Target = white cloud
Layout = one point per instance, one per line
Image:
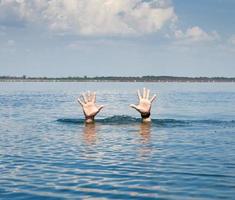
(10, 43)
(93, 17)
(2, 31)
(232, 40)
(101, 42)
(195, 34)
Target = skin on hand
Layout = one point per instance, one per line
(90, 109)
(145, 103)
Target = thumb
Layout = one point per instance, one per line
(100, 107)
(133, 106)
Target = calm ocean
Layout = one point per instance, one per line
(187, 152)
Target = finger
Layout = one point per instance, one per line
(144, 93)
(94, 97)
(147, 94)
(153, 98)
(100, 107)
(79, 101)
(89, 96)
(139, 95)
(133, 106)
(84, 97)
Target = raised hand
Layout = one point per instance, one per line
(145, 102)
(89, 107)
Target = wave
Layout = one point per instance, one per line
(116, 119)
(124, 119)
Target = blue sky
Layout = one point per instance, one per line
(117, 37)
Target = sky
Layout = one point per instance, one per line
(60, 38)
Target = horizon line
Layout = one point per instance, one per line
(109, 76)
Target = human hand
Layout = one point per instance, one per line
(144, 106)
(89, 106)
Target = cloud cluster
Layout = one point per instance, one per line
(91, 17)
(195, 34)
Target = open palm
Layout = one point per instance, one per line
(145, 102)
(89, 106)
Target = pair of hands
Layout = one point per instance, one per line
(91, 109)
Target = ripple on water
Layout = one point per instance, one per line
(186, 153)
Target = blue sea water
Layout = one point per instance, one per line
(187, 152)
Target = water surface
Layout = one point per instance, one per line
(187, 152)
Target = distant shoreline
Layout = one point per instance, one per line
(116, 79)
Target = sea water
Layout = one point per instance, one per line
(47, 152)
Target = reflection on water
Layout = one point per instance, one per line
(89, 133)
(145, 131)
(145, 150)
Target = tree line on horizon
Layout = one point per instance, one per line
(120, 78)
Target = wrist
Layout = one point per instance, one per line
(89, 119)
(146, 117)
